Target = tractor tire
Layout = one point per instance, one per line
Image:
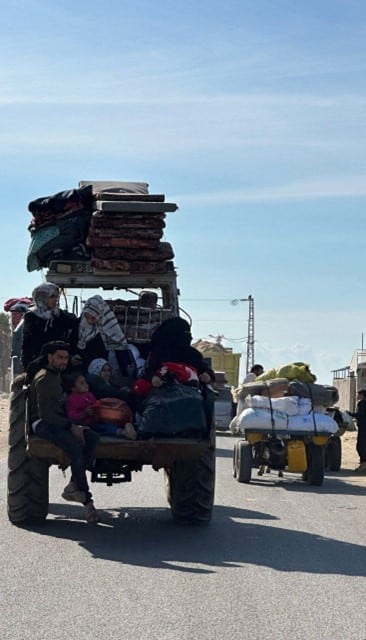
(27, 496)
(334, 454)
(315, 470)
(243, 461)
(190, 487)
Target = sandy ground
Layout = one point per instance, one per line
(4, 407)
(349, 455)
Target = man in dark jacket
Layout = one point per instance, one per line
(360, 416)
(49, 421)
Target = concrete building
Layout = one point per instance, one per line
(222, 359)
(349, 380)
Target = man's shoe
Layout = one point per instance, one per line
(91, 514)
(74, 496)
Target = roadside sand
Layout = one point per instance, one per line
(349, 455)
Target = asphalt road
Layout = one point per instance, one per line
(280, 560)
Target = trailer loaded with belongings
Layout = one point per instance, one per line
(110, 235)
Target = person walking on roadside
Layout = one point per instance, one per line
(252, 375)
(360, 416)
(256, 370)
(49, 421)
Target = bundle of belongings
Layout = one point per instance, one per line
(174, 406)
(285, 404)
(59, 227)
(114, 226)
(17, 307)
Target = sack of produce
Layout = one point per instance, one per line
(292, 371)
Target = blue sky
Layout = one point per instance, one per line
(251, 116)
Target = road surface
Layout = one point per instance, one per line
(279, 560)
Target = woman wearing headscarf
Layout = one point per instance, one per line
(171, 342)
(99, 381)
(46, 322)
(100, 336)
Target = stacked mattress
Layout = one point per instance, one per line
(126, 230)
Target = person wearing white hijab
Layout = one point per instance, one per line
(100, 336)
(46, 322)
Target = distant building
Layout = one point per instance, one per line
(349, 380)
(222, 359)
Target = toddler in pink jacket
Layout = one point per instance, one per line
(79, 408)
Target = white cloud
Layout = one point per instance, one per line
(337, 186)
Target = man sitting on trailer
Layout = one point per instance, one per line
(48, 420)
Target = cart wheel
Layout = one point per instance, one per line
(334, 454)
(235, 463)
(243, 457)
(315, 470)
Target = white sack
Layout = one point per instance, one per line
(261, 419)
(324, 423)
(304, 406)
(286, 404)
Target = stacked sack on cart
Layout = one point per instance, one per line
(286, 404)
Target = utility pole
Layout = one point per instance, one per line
(250, 339)
(250, 335)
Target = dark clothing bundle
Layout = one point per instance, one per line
(173, 410)
(48, 210)
(64, 240)
(59, 227)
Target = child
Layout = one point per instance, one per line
(99, 380)
(80, 409)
